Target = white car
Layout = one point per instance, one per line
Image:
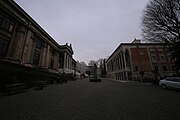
(170, 82)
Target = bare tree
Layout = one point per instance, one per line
(161, 23)
(92, 62)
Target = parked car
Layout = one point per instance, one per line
(170, 82)
(94, 79)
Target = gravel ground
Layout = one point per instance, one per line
(84, 100)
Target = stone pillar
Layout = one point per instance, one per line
(124, 59)
(26, 53)
(64, 66)
(47, 57)
(112, 66)
(57, 61)
(116, 63)
(123, 62)
(18, 42)
(71, 64)
(120, 61)
(67, 61)
(44, 55)
(125, 66)
(32, 48)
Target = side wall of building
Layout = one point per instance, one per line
(139, 61)
(23, 41)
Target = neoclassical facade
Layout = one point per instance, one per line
(67, 63)
(131, 61)
(23, 41)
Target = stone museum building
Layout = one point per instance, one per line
(132, 61)
(23, 41)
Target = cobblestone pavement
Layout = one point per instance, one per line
(84, 100)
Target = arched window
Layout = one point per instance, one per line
(163, 59)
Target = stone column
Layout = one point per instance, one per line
(57, 61)
(125, 66)
(124, 59)
(44, 55)
(71, 64)
(120, 62)
(64, 66)
(32, 49)
(123, 62)
(67, 61)
(55, 66)
(47, 57)
(18, 42)
(116, 63)
(27, 42)
(26, 53)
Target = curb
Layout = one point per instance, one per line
(127, 81)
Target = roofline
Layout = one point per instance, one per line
(66, 47)
(74, 60)
(23, 12)
(132, 44)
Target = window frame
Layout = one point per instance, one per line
(154, 58)
(6, 24)
(5, 44)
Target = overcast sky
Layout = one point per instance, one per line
(94, 27)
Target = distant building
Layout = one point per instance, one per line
(23, 41)
(67, 63)
(136, 60)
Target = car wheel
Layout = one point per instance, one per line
(164, 86)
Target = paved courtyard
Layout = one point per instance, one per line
(84, 100)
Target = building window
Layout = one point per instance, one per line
(154, 58)
(39, 43)
(152, 50)
(162, 57)
(37, 51)
(169, 57)
(165, 68)
(6, 24)
(36, 57)
(156, 68)
(3, 47)
(136, 68)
